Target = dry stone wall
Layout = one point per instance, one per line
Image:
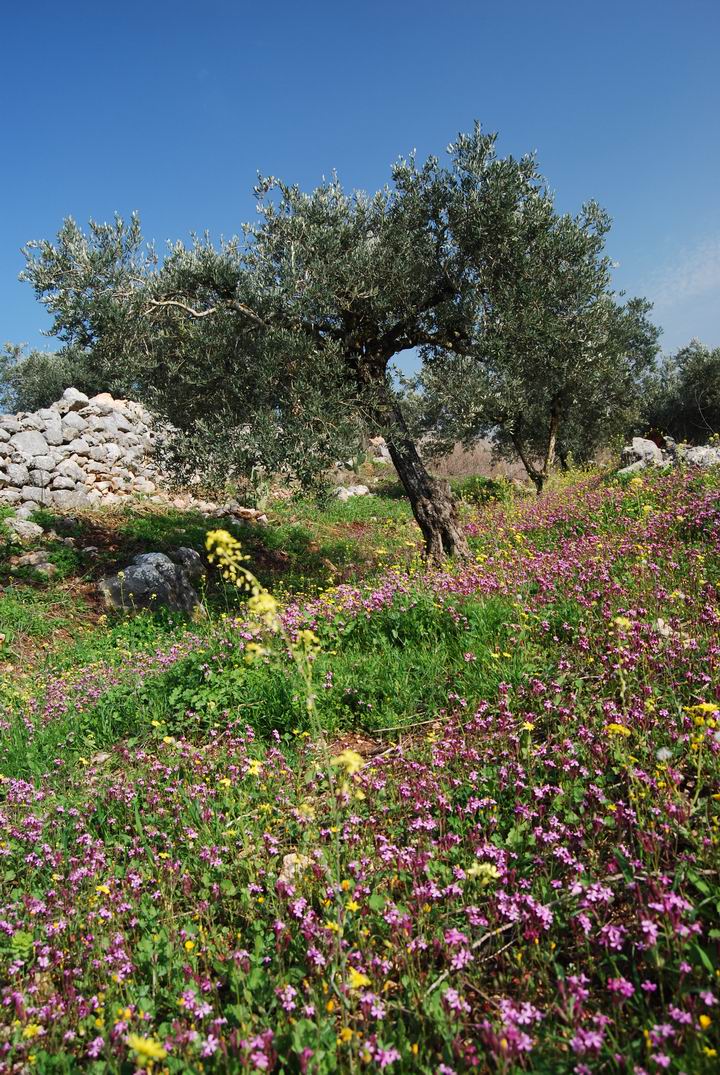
(75, 453)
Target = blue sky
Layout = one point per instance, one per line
(172, 109)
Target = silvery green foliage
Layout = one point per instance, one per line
(29, 382)
(559, 367)
(272, 349)
(274, 346)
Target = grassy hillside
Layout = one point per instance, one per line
(424, 820)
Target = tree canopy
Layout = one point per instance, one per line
(683, 394)
(559, 366)
(274, 347)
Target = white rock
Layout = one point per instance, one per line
(72, 423)
(46, 462)
(72, 400)
(61, 482)
(79, 447)
(30, 442)
(53, 432)
(70, 469)
(41, 478)
(25, 530)
(346, 492)
(15, 474)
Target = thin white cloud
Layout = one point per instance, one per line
(693, 274)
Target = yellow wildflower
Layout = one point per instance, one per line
(618, 729)
(349, 760)
(358, 980)
(485, 872)
(307, 640)
(147, 1048)
(263, 605)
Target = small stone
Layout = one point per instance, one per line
(72, 400)
(79, 447)
(37, 561)
(346, 492)
(23, 529)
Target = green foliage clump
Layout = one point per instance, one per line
(479, 490)
(683, 394)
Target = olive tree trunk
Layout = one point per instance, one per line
(432, 503)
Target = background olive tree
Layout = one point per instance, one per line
(683, 394)
(559, 368)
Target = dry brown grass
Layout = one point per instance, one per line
(477, 461)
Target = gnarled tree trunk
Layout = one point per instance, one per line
(432, 503)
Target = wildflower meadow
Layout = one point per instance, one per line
(421, 818)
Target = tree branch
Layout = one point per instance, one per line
(233, 304)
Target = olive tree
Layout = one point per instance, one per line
(683, 393)
(560, 365)
(276, 347)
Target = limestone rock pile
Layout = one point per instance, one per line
(75, 453)
(643, 453)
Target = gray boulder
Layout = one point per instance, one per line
(704, 456)
(190, 561)
(71, 425)
(72, 400)
(53, 432)
(30, 442)
(16, 474)
(24, 529)
(65, 498)
(151, 581)
(644, 451)
(61, 482)
(79, 446)
(10, 423)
